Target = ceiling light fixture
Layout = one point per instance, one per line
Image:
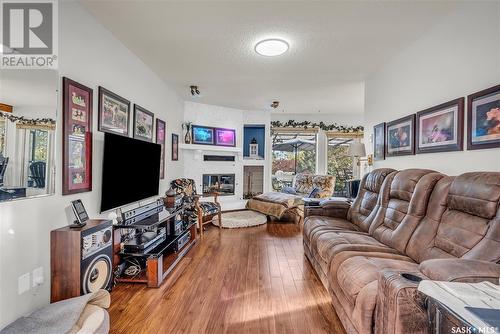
(194, 91)
(271, 47)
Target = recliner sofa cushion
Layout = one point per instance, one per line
(361, 212)
(363, 208)
(476, 194)
(319, 223)
(395, 218)
(404, 207)
(329, 244)
(450, 230)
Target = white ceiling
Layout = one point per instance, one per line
(334, 46)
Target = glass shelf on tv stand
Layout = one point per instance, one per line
(143, 224)
(160, 248)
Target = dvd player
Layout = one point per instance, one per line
(143, 242)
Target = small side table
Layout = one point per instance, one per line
(462, 307)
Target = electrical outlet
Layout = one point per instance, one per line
(23, 283)
(38, 276)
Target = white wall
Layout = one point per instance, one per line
(91, 55)
(456, 58)
(216, 116)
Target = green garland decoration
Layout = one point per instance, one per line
(321, 125)
(28, 121)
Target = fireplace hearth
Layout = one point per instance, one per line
(221, 183)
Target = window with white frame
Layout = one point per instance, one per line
(292, 152)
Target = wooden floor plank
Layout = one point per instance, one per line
(250, 280)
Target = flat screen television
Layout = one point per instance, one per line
(130, 171)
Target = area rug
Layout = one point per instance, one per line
(244, 218)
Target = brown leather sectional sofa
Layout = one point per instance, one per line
(410, 222)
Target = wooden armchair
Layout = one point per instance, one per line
(202, 211)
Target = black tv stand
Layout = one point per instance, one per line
(159, 260)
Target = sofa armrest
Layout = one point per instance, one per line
(330, 208)
(461, 270)
(400, 308)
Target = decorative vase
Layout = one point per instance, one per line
(187, 137)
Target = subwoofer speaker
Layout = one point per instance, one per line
(96, 272)
(81, 259)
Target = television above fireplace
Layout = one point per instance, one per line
(221, 183)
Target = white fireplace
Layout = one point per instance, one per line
(224, 184)
(200, 160)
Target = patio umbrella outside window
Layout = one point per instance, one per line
(294, 145)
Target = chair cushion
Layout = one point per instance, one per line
(325, 184)
(314, 224)
(330, 243)
(289, 190)
(209, 208)
(303, 183)
(476, 194)
(184, 186)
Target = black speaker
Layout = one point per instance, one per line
(96, 268)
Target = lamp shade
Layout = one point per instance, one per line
(356, 149)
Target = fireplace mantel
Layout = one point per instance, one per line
(212, 148)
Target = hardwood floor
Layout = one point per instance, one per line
(249, 280)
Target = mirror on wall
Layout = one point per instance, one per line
(28, 113)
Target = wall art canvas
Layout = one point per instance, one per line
(77, 137)
(175, 147)
(225, 137)
(483, 119)
(114, 113)
(203, 135)
(440, 128)
(143, 123)
(400, 137)
(379, 141)
(161, 129)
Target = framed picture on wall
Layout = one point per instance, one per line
(203, 135)
(379, 141)
(77, 137)
(225, 137)
(483, 119)
(143, 123)
(114, 113)
(440, 128)
(175, 147)
(161, 130)
(400, 137)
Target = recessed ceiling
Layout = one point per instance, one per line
(334, 46)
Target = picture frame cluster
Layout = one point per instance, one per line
(441, 128)
(207, 135)
(114, 116)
